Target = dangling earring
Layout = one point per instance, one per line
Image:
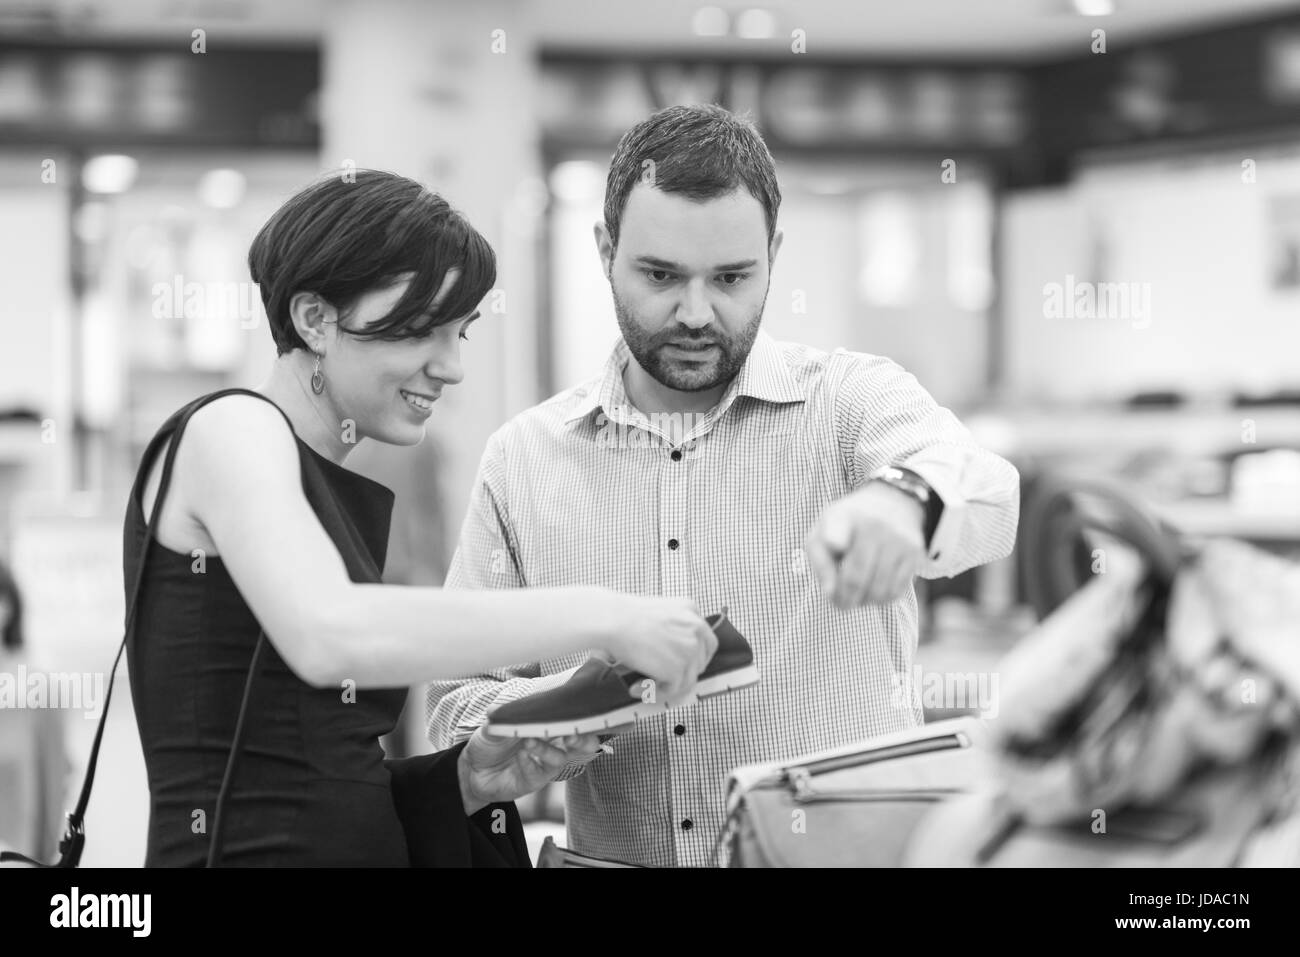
(318, 378)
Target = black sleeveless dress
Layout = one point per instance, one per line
(311, 788)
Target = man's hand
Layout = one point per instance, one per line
(868, 546)
(495, 769)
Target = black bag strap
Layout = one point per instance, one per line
(74, 837)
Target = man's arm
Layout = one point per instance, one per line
(486, 557)
(884, 417)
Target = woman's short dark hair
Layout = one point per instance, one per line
(701, 151)
(12, 635)
(358, 231)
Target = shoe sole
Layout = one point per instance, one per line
(727, 681)
(619, 718)
(625, 717)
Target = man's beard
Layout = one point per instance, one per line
(683, 376)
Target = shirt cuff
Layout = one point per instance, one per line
(942, 478)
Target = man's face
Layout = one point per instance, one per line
(689, 281)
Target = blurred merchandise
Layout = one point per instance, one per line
(1267, 482)
(1159, 704)
(33, 761)
(33, 772)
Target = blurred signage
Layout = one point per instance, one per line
(137, 95)
(589, 101)
(1237, 81)
(1282, 65)
(1031, 120)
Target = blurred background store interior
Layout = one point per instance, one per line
(959, 176)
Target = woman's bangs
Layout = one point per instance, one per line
(415, 315)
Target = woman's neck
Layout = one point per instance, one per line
(315, 418)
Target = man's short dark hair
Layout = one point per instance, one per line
(352, 233)
(702, 152)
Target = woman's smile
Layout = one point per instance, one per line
(422, 402)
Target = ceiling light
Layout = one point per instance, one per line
(110, 173)
(1094, 8)
(576, 181)
(222, 188)
(756, 24)
(710, 22)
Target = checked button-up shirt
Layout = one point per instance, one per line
(586, 490)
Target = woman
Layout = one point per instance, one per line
(369, 287)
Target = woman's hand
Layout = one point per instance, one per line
(493, 769)
(666, 639)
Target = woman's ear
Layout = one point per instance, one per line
(310, 314)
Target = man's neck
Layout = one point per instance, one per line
(287, 386)
(650, 396)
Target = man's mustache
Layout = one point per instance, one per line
(694, 340)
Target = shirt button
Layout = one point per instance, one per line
(677, 455)
(687, 824)
(672, 544)
(679, 730)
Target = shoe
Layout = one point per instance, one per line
(732, 664)
(599, 697)
(595, 698)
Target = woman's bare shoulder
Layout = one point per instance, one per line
(232, 440)
(240, 436)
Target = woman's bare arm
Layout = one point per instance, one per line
(238, 467)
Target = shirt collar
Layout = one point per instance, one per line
(607, 392)
(764, 376)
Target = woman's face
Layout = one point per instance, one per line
(386, 390)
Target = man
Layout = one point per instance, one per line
(801, 490)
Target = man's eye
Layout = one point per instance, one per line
(658, 275)
(734, 278)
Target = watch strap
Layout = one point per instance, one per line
(905, 480)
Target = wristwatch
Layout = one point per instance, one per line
(908, 482)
